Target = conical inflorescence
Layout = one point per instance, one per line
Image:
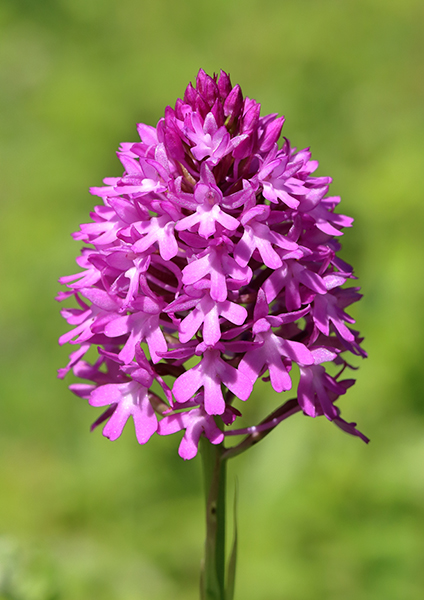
(215, 245)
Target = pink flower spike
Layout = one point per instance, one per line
(215, 255)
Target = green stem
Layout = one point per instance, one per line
(213, 572)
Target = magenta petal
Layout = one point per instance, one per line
(234, 312)
(168, 246)
(350, 428)
(280, 379)
(244, 248)
(188, 222)
(128, 351)
(83, 390)
(156, 342)
(327, 406)
(261, 306)
(251, 364)
(171, 424)
(237, 382)
(311, 280)
(191, 324)
(145, 420)
(227, 220)
(105, 394)
(305, 392)
(214, 400)
(117, 327)
(196, 270)
(297, 352)
(268, 254)
(189, 444)
(212, 432)
(342, 329)
(114, 427)
(218, 286)
(211, 330)
(187, 384)
(275, 283)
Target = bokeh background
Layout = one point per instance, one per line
(321, 515)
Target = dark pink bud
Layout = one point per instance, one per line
(190, 95)
(179, 112)
(172, 137)
(234, 103)
(224, 85)
(272, 133)
(218, 112)
(245, 148)
(201, 106)
(201, 80)
(210, 91)
(251, 118)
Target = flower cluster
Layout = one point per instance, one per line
(212, 260)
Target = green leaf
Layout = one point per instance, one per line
(231, 570)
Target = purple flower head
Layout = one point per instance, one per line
(212, 261)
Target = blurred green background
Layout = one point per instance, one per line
(321, 515)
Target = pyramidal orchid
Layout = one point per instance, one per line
(211, 262)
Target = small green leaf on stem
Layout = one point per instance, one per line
(232, 562)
